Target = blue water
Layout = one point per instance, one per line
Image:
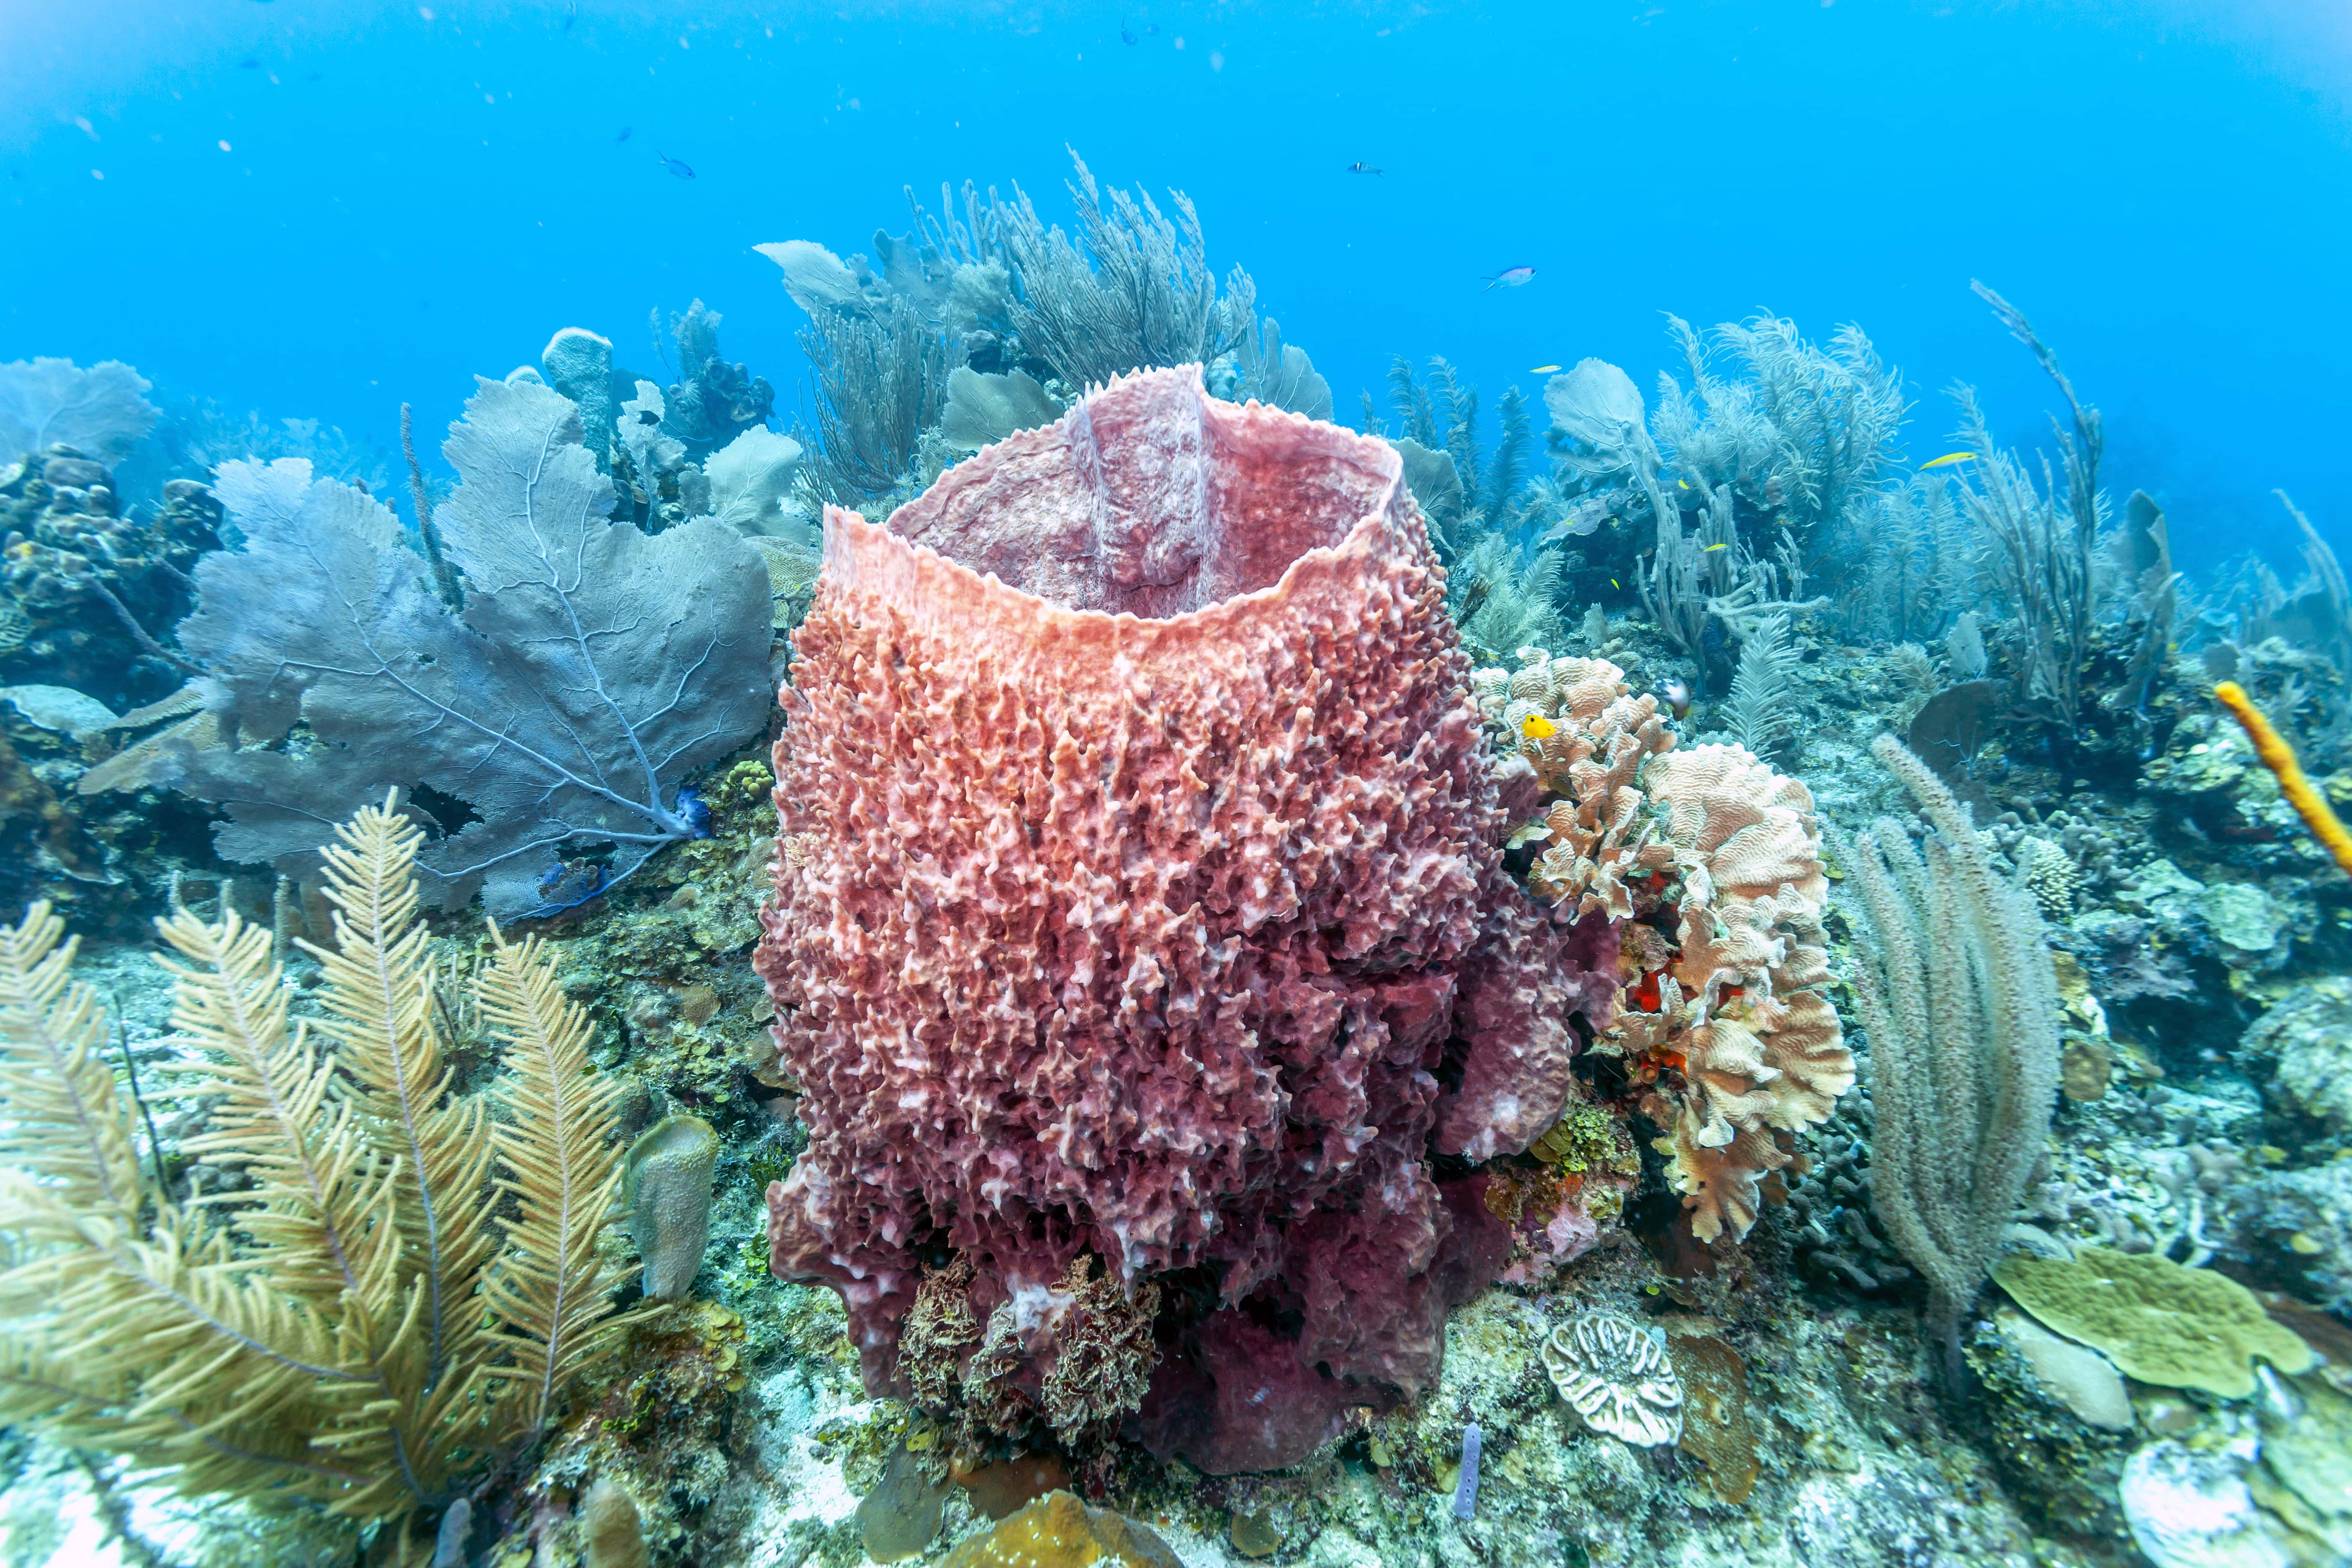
(320, 209)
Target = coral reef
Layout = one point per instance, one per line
(89, 592)
(1279, 951)
(1269, 1025)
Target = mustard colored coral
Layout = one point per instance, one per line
(2156, 1320)
(1058, 1530)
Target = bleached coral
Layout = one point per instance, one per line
(1617, 1378)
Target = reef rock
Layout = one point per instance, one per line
(2307, 1038)
(1140, 896)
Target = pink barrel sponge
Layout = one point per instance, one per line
(1139, 894)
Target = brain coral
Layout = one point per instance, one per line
(1140, 896)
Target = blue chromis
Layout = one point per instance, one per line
(678, 166)
(1536, 727)
(1511, 278)
(1949, 458)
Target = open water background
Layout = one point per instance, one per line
(411, 195)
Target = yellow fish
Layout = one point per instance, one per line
(1613, 582)
(1948, 458)
(1535, 727)
(1684, 483)
(1543, 370)
(1713, 548)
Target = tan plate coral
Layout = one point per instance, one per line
(2156, 1320)
(1727, 1024)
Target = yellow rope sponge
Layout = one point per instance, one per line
(2279, 757)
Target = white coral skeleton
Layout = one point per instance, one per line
(1615, 1375)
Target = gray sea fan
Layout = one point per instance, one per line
(1964, 647)
(101, 412)
(983, 409)
(593, 669)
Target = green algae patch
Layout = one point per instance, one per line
(2159, 1322)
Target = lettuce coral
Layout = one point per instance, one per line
(1760, 1048)
(1728, 1020)
(1139, 896)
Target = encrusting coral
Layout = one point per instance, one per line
(2159, 1322)
(1140, 897)
(399, 1289)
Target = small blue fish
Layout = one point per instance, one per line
(1125, 37)
(678, 166)
(1361, 167)
(570, 14)
(1511, 278)
(623, 136)
(249, 64)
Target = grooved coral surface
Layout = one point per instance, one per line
(1140, 895)
(1743, 1012)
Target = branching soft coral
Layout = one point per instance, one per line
(344, 1325)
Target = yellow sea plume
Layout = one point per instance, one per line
(2279, 757)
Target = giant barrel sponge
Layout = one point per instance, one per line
(1138, 895)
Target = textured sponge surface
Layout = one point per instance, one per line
(1158, 937)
